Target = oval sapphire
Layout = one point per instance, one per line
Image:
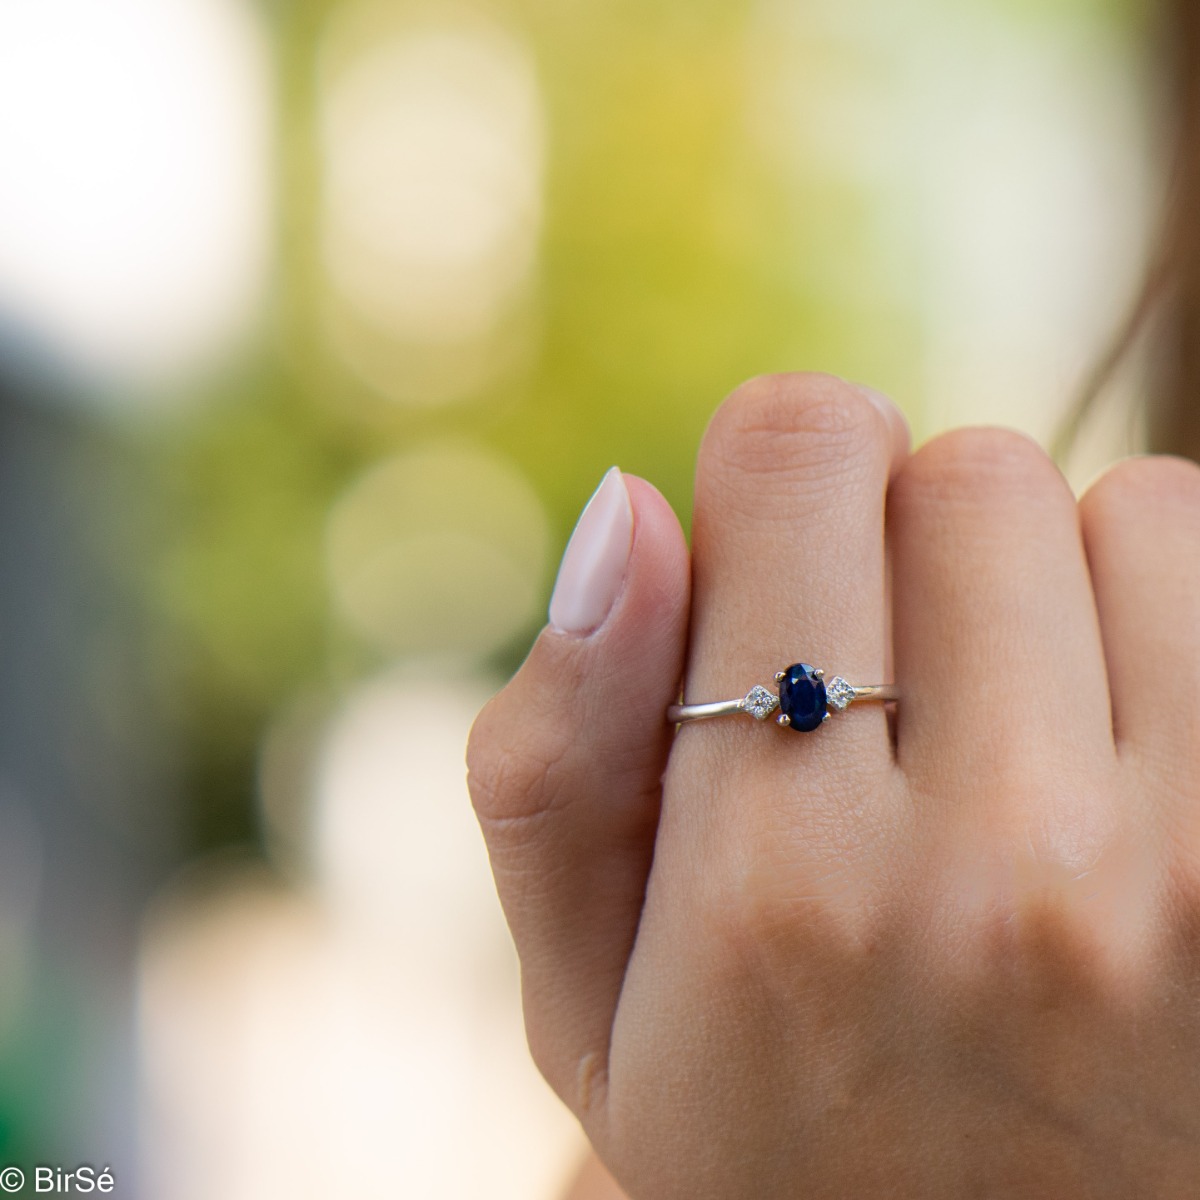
(802, 698)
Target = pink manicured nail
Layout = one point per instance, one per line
(593, 566)
(885, 404)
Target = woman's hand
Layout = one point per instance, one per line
(955, 958)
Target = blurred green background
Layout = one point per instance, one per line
(681, 196)
(322, 320)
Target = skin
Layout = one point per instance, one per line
(952, 955)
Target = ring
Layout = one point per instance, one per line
(806, 701)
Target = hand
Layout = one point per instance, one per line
(954, 958)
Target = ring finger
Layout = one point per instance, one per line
(788, 565)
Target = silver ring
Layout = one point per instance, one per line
(804, 697)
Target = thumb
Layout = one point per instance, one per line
(565, 767)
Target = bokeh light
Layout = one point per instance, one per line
(362, 1035)
(432, 146)
(135, 155)
(440, 551)
(1000, 163)
(388, 831)
(1037, 208)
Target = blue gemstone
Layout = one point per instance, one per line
(802, 698)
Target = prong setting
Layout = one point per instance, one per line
(802, 699)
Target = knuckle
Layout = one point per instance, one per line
(1146, 486)
(795, 426)
(784, 891)
(1044, 833)
(773, 914)
(1059, 918)
(972, 466)
(1047, 945)
(514, 773)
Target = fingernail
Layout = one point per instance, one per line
(891, 411)
(593, 566)
(885, 404)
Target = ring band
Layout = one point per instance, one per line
(804, 697)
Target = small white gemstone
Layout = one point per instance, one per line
(760, 704)
(839, 693)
